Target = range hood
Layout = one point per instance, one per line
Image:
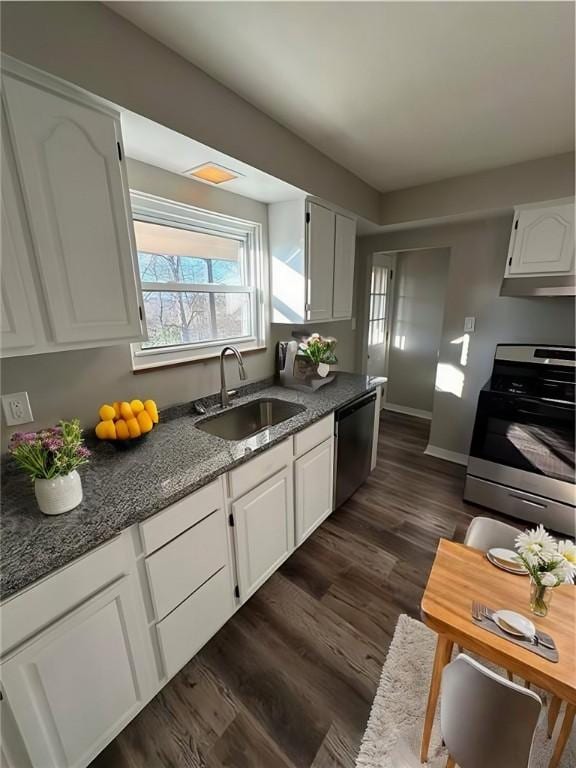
(550, 285)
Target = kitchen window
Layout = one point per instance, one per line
(201, 279)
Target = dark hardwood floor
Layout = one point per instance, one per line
(288, 682)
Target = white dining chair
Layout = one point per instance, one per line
(484, 533)
(485, 719)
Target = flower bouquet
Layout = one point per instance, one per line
(51, 458)
(549, 563)
(319, 351)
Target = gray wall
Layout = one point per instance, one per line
(64, 385)
(547, 178)
(86, 43)
(478, 252)
(419, 292)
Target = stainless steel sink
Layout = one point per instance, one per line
(245, 420)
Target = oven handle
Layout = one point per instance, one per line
(527, 501)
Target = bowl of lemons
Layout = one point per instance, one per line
(125, 423)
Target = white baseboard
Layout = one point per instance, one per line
(407, 411)
(442, 453)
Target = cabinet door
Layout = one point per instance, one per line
(313, 475)
(344, 255)
(75, 686)
(264, 530)
(68, 157)
(17, 284)
(543, 241)
(320, 262)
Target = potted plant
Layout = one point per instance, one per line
(51, 458)
(319, 351)
(549, 563)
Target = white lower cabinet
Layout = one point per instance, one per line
(314, 488)
(263, 530)
(77, 684)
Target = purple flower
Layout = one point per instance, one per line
(53, 444)
(29, 437)
(82, 452)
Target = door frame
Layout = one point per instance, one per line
(391, 302)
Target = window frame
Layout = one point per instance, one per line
(156, 210)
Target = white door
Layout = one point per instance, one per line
(344, 255)
(320, 261)
(17, 283)
(69, 159)
(542, 241)
(379, 313)
(313, 474)
(264, 530)
(76, 685)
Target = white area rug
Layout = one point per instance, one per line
(392, 737)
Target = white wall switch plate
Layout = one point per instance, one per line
(469, 324)
(17, 409)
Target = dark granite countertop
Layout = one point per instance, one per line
(125, 487)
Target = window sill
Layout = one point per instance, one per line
(150, 368)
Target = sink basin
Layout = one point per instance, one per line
(245, 420)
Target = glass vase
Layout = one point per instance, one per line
(540, 597)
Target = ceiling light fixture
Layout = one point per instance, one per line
(212, 173)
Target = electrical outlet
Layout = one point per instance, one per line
(469, 324)
(17, 409)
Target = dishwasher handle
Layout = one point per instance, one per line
(354, 406)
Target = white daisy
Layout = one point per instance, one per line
(536, 545)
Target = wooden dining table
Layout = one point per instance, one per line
(461, 574)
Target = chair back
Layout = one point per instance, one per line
(484, 533)
(485, 719)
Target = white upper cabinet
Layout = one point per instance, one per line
(68, 153)
(542, 240)
(17, 285)
(320, 257)
(344, 254)
(312, 248)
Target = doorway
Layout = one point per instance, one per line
(380, 307)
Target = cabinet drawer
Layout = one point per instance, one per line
(194, 622)
(253, 473)
(175, 571)
(169, 523)
(312, 436)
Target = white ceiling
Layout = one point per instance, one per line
(400, 93)
(157, 145)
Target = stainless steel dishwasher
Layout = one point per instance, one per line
(354, 430)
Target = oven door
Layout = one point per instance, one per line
(526, 434)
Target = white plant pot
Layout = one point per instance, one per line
(323, 369)
(59, 494)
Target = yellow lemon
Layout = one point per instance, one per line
(106, 430)
(152, 410)
(116, 406)
(122, 432)
(106, 412)
(133, 427)
(126, 411)
(137, 407)
(145, 422)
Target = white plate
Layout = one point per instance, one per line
(514, 623)
(505, 559)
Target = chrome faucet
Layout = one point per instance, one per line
(224, 393)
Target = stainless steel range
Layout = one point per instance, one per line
(522, 453)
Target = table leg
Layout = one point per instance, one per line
(563, 735)
(553, 710)
(441, 658)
